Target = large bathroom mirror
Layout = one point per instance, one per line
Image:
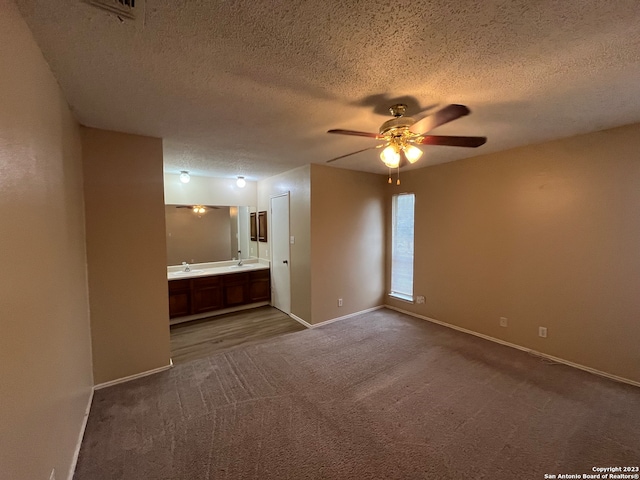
(208, 233)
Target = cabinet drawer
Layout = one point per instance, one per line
(179, 285)
(206, 282)
(259, 275)
(235, 279)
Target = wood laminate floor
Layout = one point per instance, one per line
(201, 338)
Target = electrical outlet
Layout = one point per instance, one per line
(53, 475)
(503, 321)
(339, 302)
(542, 331)
(420, 299)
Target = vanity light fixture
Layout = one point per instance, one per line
(184, 176)
(241, 182)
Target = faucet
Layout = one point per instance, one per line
(187, 268)
(239, 258)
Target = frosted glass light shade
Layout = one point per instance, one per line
(412, 153)
(241, 182)
(185, 177)
(390, 157)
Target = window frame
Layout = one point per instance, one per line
(397, 293)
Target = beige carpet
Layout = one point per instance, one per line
(379, 396)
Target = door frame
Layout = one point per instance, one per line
(270, 226)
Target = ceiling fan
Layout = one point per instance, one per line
(401, 134)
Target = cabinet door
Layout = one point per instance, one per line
(235, 289)
(262, 226)
(206, 294)
(259, 286)
(179, 298)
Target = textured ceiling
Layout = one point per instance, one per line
(250, 87)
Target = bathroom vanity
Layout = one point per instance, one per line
(203, 289)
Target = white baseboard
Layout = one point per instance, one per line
(326, 322)
(299, 320)
(83, 427)
(133, 377)
(519, 347)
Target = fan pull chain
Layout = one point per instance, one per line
(398, 180)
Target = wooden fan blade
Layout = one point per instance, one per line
(353, 132)
(445, 115)
(353, 153)
(451, 141)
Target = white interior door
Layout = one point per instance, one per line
(280, 263)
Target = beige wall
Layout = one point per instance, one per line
(45, 352)
(546, 235)
(337, 218)
(347, 241)
(298, 183)
(208, 191)
(126, 253)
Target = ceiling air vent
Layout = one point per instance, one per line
(122, 8)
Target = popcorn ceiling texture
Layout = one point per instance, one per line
(250, 87)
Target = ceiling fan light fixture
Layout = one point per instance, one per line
(412, 153)
(185, 177)
(390, 157)
(199, 209)
(241, 182)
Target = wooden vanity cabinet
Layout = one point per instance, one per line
(190, 296)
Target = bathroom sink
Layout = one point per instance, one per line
(240, 266)
(185, 274)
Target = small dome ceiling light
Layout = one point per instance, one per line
(412, 153)
(184, 176)
(390, 157)
(241, 182)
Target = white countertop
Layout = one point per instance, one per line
(208, 269)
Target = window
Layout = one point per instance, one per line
(402, 246)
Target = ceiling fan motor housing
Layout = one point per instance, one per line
(398, 123)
